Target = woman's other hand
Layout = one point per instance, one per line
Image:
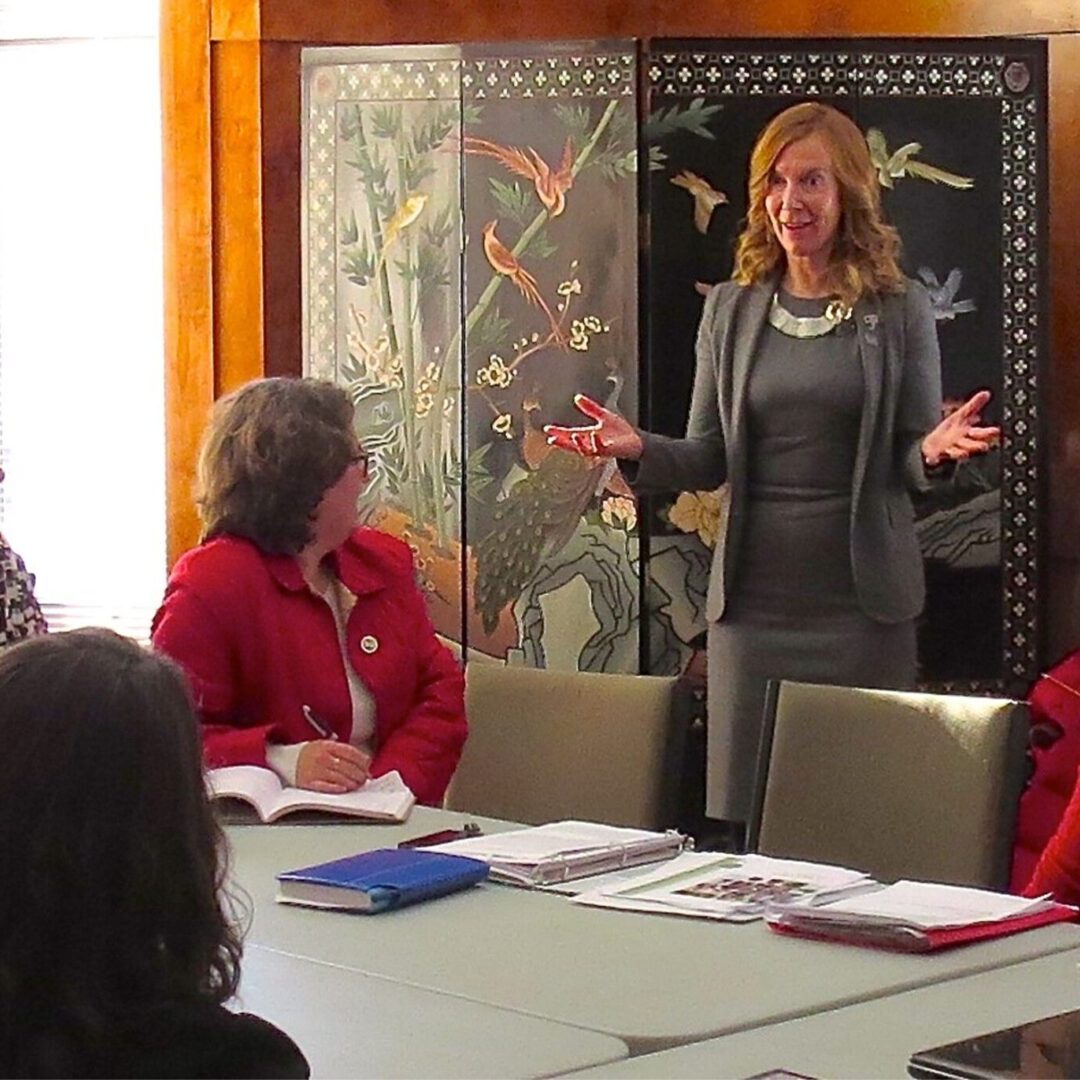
(960, 434)
(609, 436)
(331, 767)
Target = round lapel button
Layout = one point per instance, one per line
(369, 644)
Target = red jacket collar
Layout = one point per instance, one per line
(352, 562)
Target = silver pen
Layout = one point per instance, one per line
(324, 730)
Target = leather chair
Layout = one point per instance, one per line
(551, 745)
(899, 784)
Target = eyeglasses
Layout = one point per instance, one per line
(363, 459)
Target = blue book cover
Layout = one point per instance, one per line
(379, 880)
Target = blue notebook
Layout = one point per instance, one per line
(379, 880)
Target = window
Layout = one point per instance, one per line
(81, 350)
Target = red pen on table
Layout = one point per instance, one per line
(443, 836)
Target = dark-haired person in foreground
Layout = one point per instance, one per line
(306, 639)
(116, 955)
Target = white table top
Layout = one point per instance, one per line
(876, 1038)
(652, 981)
(354, 1025)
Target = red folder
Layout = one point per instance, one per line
(910, 940)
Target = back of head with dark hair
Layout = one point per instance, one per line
(271, 451)
(110, 905)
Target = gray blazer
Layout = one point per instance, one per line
(901, 403)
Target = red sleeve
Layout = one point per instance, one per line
(426, 746)
(1058, 868)
(188, 631)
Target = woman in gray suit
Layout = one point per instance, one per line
(817, 400)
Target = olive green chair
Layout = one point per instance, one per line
(899, 784)
(550, 745)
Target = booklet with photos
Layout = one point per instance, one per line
(384, 798)
(729, 887)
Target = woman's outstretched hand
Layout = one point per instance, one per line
(609, 436)
(960, 434)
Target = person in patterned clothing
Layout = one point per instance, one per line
(20, 613)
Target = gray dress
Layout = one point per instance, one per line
(793, 612)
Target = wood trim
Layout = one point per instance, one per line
(234, 20)
(281, 255)
(376, 21)
(1062, 407)
(256, 209)
(236, 169)
(188, 301)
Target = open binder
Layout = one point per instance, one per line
(565, 850)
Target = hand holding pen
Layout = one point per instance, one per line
(329, 765)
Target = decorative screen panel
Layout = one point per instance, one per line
(471, 263)
(958, 131)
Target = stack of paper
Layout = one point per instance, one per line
(564, 850)
(734, 888)
(916, 916)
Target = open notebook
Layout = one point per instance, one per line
(386, 798)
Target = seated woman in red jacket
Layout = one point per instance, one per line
(306, 640)
(1058, 870)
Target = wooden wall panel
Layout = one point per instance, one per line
(375, 21)
(1061, 397)
(188, 300)
(236, 142)
(281, 267)
(235, 20)
(269, 251)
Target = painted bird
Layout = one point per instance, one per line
(943, 297)
(400, 219)
(706, 197)
(551, 184)
(504, 261)
(536, 519)
(892, 167)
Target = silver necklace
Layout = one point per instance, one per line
(807, 326)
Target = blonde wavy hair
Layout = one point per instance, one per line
(866, 252)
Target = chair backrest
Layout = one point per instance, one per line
(899, 784)
(547, 745)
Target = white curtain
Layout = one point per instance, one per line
(81, 378)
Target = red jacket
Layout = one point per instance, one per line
(1054, 704)
(258, 645)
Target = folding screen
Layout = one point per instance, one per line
(383, 233)
(471, 261)
(957, 129)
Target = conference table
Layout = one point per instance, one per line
(876, 1038)
(651, 982)
(354, 1025)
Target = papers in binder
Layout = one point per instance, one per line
(733, 888)
(565, 850)
(917, 916)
